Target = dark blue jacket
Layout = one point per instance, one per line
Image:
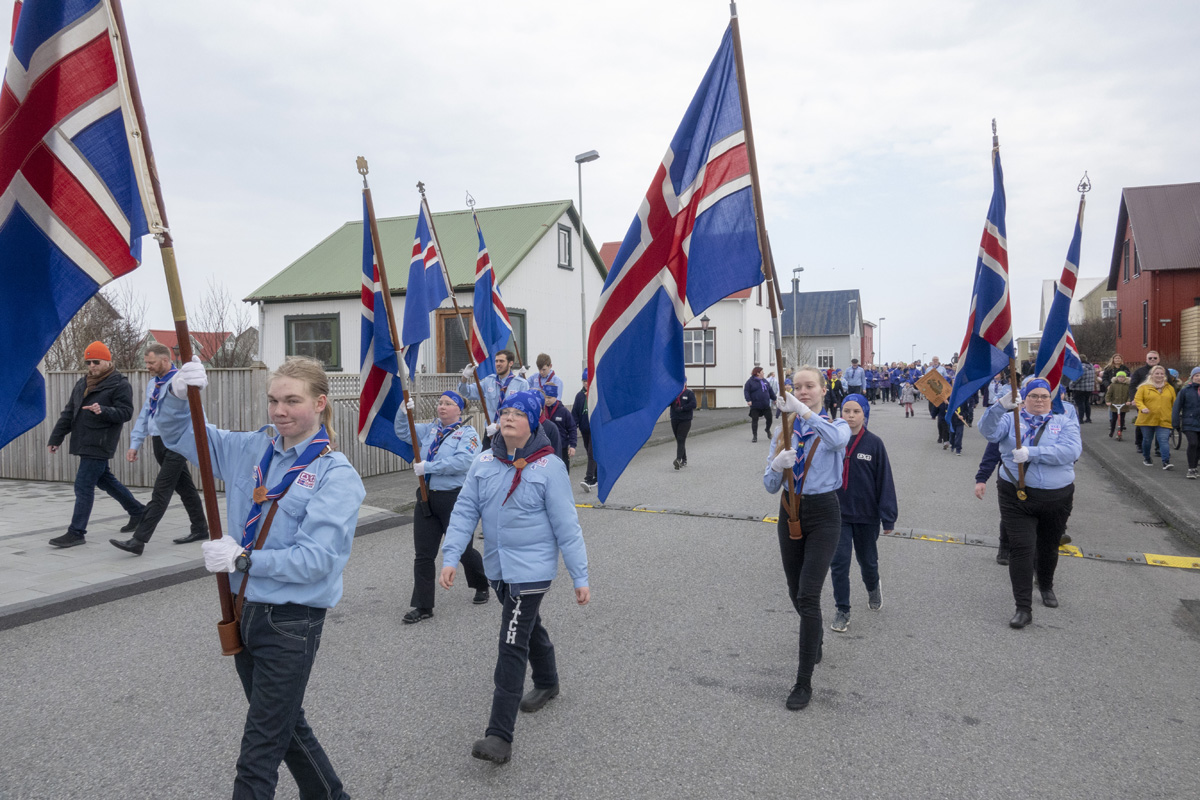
(987, 464)
(870, 496)
(683, 406)
(754, 394)
(1186, 414)
(580, 412)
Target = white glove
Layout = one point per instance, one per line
(784, 461)
(190, 374)
(1021, 455)
(492, 429)
(790, 404)
(409, 404)
(1007, 402)
(219, 554)
(468, 373)
(419, 469)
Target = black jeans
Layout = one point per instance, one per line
(755, 413)
(1083, 405)
(1034, 526)
(590, 475)
(862, 539)
(427, 539)
(523, 641)
(806, 563)
(94, 472)
(280, 644)
(173, 477)
(1193, 451)
(680, 428)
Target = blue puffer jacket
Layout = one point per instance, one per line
(523, 536)
(1185, 415)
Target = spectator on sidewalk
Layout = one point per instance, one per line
(173, 475)
(100, 404)
(1082, 389)
(1185, 416)
(867, 499)
(1117, 400)
(1154, 400)
(759, 397)
(682, 408)
(1136, 380)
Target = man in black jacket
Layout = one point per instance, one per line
(101, 402)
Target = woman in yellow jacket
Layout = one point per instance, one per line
(1154, 400)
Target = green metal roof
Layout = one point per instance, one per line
(333, 268)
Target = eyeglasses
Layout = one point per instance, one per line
(1038, 396)
(511, 412)
(1152, 358)
(92, 362)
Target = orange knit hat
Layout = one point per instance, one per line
(98, 350)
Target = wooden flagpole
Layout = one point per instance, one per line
(387, 300)
(227, 629)
(462, 326)
(768, 263)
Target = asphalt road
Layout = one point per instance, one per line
(674, 678)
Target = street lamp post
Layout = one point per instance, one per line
(704, 357)
(913, 355)
(795, 316)
(879, 346)
(580, 160)
(853, 328)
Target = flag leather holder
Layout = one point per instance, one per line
(230, 633)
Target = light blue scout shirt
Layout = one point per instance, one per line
(523, 536)
(309, 542)
(854, 376)
(454, 457)
(492, 391)
(1051, 462)
(536, 382)
(146, 424)
(825, 472)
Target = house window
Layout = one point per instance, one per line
(1108, 307)
(825, 358)
(699, 347)
(1145, 323)
(317, 336)
(771, 350)
(564, 247)
(1125, 262)
(759, 292)
(1137, 263)
(452, 351)
(757, 346)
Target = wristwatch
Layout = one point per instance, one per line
(242, 563)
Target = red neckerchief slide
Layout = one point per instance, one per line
(520, 464)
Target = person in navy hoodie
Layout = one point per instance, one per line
(759, 396)
(580, 412)
(682, 408)
(568, 429)
(524, 500)
(867, 498)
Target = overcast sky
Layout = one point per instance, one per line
(872, 122)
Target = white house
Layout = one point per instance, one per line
(824, 329)
(314, 306)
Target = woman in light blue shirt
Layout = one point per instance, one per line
(813, 464)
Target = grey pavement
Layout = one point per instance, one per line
(674, 677)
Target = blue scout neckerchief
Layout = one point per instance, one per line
(442, 432)
(799, 444)
(315, 449)
(158, 385)
(503, 387)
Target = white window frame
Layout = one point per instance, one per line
(704, 339)
(757, 347)
(564, 247)
(824, 358)
(1108, 308)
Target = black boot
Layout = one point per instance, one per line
(536, 698)
(492, 748)
(801, 695)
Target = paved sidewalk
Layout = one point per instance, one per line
(1169, 495)
(39, 581)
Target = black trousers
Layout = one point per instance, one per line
(1034, 526)
(1083, 405)
(942, 425)
(173, 478)
(523, 642)
(590, 475)
(806, 563)
(427, 538)
(755, 413)
(1193, 450)
(680, 428)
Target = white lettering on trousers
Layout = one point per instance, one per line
(511, 638)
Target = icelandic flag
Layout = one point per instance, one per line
(75, 186)
(987, 348)
(1057, 356)
(427, 288)
(692, 243)
(382, 396)
(490, 326)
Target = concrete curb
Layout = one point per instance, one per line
(1180, 524)
(84, 597)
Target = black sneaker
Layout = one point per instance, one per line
(677, 463)
(536, 698)
(492, 748)
(481, 596)
(68, 539)
(800, 697)
(131, 526)
(416, 615)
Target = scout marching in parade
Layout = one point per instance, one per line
(292, 497)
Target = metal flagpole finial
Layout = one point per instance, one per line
(362, 169)
(470, 201)
(1085, 185)
(421, 187)
(733, 9)
(995, 138)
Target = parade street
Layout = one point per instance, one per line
(674, 677)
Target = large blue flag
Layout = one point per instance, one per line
(381, 397)
(75, 188)
(490, 326)
(987, 348)
(426, 288)
(1057, 357)
(692, 243)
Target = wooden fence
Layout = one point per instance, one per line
(234, 400)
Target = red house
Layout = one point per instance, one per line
(1155, 269)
